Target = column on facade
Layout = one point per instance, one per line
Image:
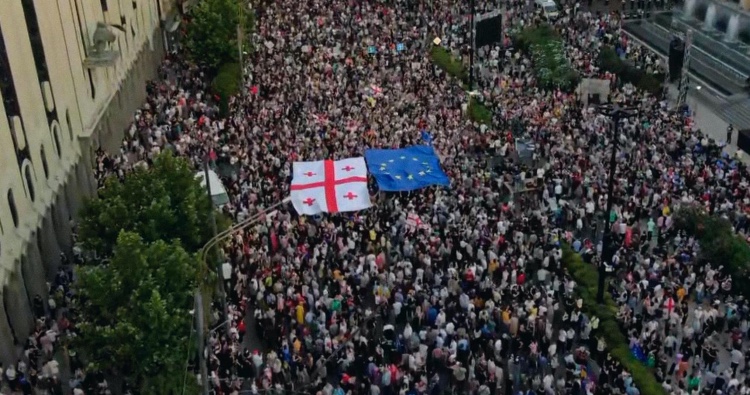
(18, 306)
(48, 245)
(84, 170)
(61, 220)
(7, 348)
(72, 195)
(32, 270)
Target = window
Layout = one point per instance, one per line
(135, 4)
(29, 181)
(7, 85)
(70, 124)
(56, 138)
(103, 3)
(91, 84)
(35, 37)
(80, 29)
(45, 166)
(12, 205)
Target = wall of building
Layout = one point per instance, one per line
(54, 113)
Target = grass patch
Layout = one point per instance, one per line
(476, 111)
(445, 61)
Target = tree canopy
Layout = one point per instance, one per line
(163, 202)
(135, 313)
(719, 244)
(212, 34)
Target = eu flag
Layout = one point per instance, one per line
(406, 169)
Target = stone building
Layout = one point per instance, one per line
(72, 72)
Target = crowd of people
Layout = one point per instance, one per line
(444, 290)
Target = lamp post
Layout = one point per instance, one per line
(240, 50)
(222, 291)
(472, 5)
(615, 113)
(204, 255)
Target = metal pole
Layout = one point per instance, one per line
(607, 250)
(471, 51)
(239, 226)
(201, 341)
(239, 46)
(222, 291)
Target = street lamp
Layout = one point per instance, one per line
(615, 113)
(204, 257)
(472, 5)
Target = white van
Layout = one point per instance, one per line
(548, 7)
(218, 192)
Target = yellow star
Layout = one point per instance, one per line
(383, 164)
(421, 173)
(425, 163)
(429, 171)
(390, 160)
(411, 177)
(397, 177)
(403, 157)
(414, 159)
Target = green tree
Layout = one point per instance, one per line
(163, 202)
(212, 33)
(135, 317)
(719, 244)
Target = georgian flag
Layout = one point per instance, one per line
(328, 186)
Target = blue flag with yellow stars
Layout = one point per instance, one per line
(406, 169)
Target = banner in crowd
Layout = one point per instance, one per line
(406, 169)
(328, 186)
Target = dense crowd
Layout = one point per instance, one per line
(471, 297)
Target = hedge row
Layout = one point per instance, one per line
(628, 73)
(227, 83)
(719, 244)
(547, 50)
(476, 111)
(586, 276)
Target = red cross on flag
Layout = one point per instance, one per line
(328, 186)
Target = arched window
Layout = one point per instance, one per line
(29, 181)
(13, 209)
(70, 124)
(56, 138)
(45, 166)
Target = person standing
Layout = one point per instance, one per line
(730, 131)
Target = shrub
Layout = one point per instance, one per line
(547, 49)
(227, 83)
(535, 35)
(719, 244)
(608, 60)
(586, 277)
(476, 111)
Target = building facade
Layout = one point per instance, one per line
(72, 72)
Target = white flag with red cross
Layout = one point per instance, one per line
(328, 186)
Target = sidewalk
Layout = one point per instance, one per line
(703, 104)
